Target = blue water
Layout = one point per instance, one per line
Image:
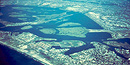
(36, 11)
(1, 25)
(11, 57)
(123, 40)
(7, 10)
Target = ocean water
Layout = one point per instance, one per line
(1, 25)
(9, 56)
